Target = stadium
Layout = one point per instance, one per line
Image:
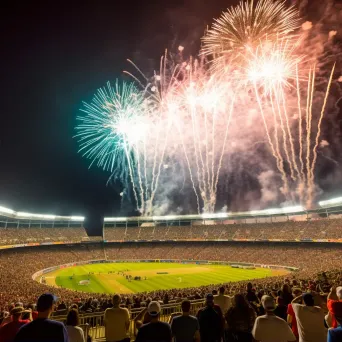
(207, 217)
(165, 258)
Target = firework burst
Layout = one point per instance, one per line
(245, 26)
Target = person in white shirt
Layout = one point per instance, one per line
(270, 328)
(310, 319)
(223, 301)
(116, 322)
(75, 333)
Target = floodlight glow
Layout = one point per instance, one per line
(6, 210)
(333, 201)
(114, 219)
(212, 216)
(167, 217)
(23, 214)
(77, 218)
(275, 211)
(30, 215)
(294, 209)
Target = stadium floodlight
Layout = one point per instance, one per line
(35, 216)
(6, 210)
(294, 209)
(166, 218)
(77, 218)
(114, 219)
(213, 216)
(332, 202)
(23, 214)
(278, 211)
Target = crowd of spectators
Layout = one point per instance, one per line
(286, 230)
(14, 236)
(253, 313)
(18, 265)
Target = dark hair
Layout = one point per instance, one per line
(240, 302)
(73, 318)
(186, 305)
(222, 289)
(308, 299)
(286, 288)
(25, 315)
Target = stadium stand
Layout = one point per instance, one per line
(286, 231)
(311, 245)
(13, 236)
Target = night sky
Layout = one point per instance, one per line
(55, 55)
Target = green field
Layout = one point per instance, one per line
(175, 276)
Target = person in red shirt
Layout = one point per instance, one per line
(335, 295)
(9, 330)
(291, 317)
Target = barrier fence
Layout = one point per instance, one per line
(92, 323)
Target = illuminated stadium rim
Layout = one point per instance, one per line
(294, 210)
(20, 215)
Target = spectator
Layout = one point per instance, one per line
(75, 333)
(185, 328)
(335, 334)
(310, 319)
(269, 327)
(240, 320)
(61, 306)
(9, 330)
(281, 309)
(335, 295)
(116, 322)
(291, 317)
(210, 321)
(155, 330)
(223, 301)
(7, 316)
(250, 295)
(43, 329)
(286, 294)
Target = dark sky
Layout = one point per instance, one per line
(55, 55)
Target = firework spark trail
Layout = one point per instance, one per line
(213, 151)
(190, 173)
(300, 127)
(279, 163)
(154, 189)
(311, 88)
(155, 158)
(224, 142)
(284, 137)
(139, 173)
(131, 174)
(312, 169)
(279, 159)
(145, 168)
(206, 149)
(295, 165)
(196, 136)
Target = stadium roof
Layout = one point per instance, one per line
(30, 216)
(287, 211)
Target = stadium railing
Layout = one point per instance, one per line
(92, 323)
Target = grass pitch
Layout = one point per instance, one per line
(159, 276)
